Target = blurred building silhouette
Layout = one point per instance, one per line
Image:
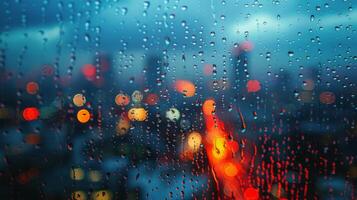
(240, 71)
(155, 72)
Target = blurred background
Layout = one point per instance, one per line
(178, 99)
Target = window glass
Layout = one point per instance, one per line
(178, 99)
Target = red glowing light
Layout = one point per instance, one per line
(26, 176)
(246, 46)
(208, 69)
(251, 194)
(33, 139)
(151, 99)
(31, 114)
(89, 71)
(233, 146)
(327, 98)
(47, 70)
(228, 172)
(253, 86)
(104, 63)
(65, 80)
(32, 87)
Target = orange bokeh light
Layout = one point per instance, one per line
(230, 170)
(122, 99)
(83, 116)
(187, 88)
(209, 107)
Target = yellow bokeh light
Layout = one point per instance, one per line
(219, 148)
(76, 174)
(102, 195)
(137, 114)
(194, 140)
(78, 195)
(94, 175)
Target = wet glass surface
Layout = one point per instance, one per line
(178, 99)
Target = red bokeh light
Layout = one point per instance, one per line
(327, 98)
(233, 146)
(33, 139)
(253, 86)
(151, 99)
(31, 114)
(251, 194)
(32, 87)
(47, 70)
(89, 71)
(246, 46)
(208, 69)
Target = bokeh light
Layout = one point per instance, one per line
(137, 114)
(194, 140)
(31, 114)
(79, 195)
(77, 174)
(123, 125)
(102, 195)
(89, 71)
(152, 99)
(209, 107)
(79, 100)
(327, 97)
(251, 194)
(230, 169)
(122, 99)
(33, 139)
(185, 87)
(253, 86)
(137, 96)
(83, 116)
(32, 88)
(94, 175)
(173, 114)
